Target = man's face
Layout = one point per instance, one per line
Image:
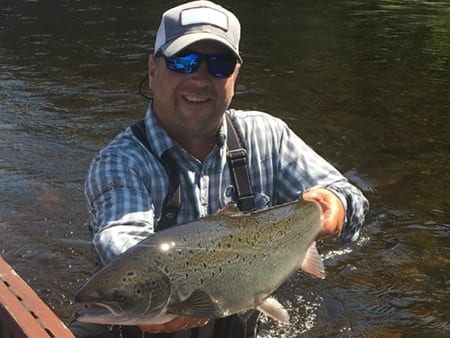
(193, 104)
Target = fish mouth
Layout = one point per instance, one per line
(113, 314)
(99, 313)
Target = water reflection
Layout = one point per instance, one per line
(365, 83)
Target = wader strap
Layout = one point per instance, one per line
(222, 327)
(172, 202)
(138, 130)
(195, 332)
(238, 163)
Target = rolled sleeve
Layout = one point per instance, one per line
(117, 238)
(121, 211)
(356, 207)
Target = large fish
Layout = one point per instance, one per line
(212, 267)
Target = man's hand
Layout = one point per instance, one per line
(179, 323)
(333, 213)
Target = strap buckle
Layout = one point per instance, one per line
(238, 157)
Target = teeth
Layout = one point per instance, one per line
(195, 99)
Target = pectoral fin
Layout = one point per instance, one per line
(313, 262)
(272, 308)
(198, 304)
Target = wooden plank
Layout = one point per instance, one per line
(14, 315)
(22, 312)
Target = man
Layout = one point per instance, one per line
(192, 75)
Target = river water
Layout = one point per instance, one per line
(365, 83)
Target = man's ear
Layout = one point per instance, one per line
(238, 68)
(151, 69)
(236, 73)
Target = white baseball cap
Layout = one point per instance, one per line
(195, 21)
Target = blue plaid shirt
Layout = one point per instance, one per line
(126, 184)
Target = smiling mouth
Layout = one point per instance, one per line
(195, 99)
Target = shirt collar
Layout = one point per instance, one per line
(160, 141)
(157, 137)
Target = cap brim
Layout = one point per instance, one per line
(173, 47)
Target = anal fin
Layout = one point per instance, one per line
(272, 308)
(312, 263)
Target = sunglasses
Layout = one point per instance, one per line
(187, 62)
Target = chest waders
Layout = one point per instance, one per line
(233, 326)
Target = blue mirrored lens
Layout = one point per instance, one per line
(184, 64)
(221, 66)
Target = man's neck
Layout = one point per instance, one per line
(199, 147)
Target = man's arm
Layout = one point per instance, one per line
(121, 211)
(302, 170)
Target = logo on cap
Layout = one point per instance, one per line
(204, 16)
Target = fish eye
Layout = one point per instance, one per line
(119, 296)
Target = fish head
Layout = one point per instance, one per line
(124, 295)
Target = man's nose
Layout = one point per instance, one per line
(202, 71)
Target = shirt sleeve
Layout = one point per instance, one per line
(121, 212)
(302, 169)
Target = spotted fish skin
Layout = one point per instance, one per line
(213, 267)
